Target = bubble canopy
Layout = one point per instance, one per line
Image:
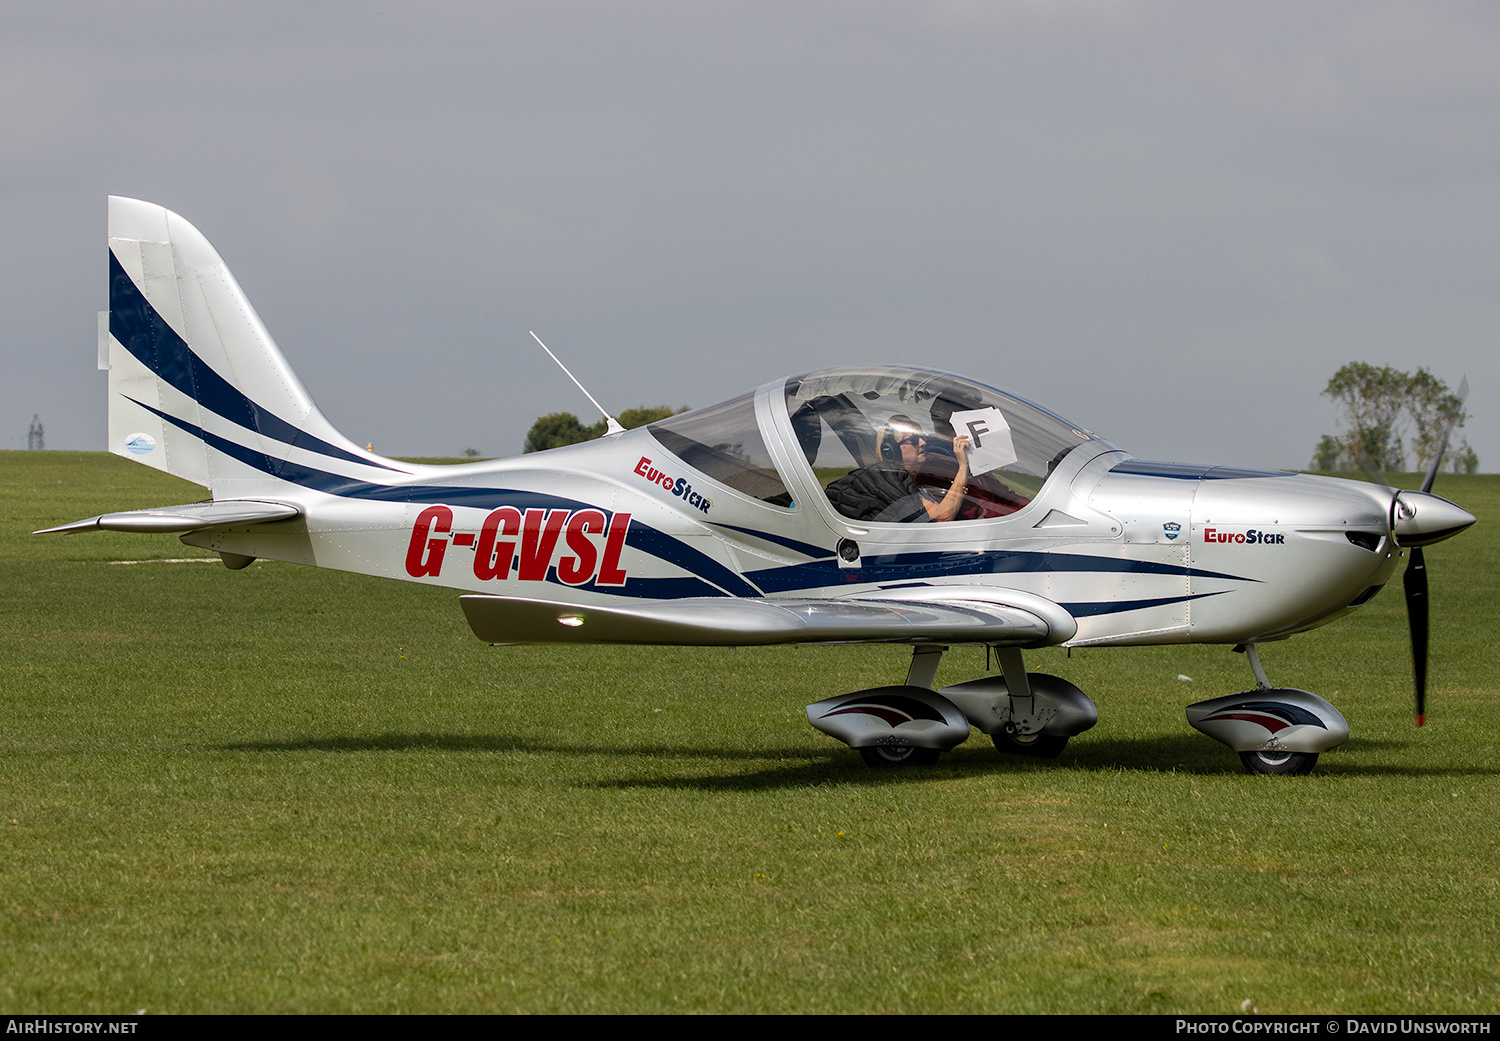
(852, 424)
(853, 427)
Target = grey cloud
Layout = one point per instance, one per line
(1169, 221)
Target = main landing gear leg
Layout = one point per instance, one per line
(1011, 739)
(924, 665)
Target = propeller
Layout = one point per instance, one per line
(1414, 582)
(1440, 520)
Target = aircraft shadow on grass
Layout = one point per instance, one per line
(496, 743)
(801, 766)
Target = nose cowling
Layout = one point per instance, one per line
(1421, 518)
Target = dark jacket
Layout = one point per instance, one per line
(882, 492)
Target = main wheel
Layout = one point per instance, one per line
(1042, 746)
(1278, 762)
(883, 757)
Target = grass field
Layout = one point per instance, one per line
(290, 790)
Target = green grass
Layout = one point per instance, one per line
(287, 790)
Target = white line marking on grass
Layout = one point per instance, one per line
(171, 560)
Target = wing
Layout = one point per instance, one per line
(184, 518)
(1000, 618)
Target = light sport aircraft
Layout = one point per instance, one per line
(884, 504)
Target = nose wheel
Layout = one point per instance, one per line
(1279, 762)
(1277, 731)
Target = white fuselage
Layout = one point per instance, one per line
(1135, 552)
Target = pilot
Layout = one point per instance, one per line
(889, 490)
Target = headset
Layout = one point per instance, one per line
(895, 428)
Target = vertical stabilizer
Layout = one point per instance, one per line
(197, 387)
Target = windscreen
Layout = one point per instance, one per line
(724, 442)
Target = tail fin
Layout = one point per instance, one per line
(197, 387)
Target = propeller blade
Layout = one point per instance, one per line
(1463, 393)
(1377, 477)
(1414, 581)
(1373, 472)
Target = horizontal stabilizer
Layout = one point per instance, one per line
(735, 622)
(191, 517)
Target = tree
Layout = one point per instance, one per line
(563, 428)
(1434, 410)
(1381, 408)
(1330, 454)
(1464, 460)
(556, 429)
(643, 414)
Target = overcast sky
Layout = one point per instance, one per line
(1169, 222)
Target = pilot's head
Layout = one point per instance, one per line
(902, 441)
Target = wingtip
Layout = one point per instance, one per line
(89, 524)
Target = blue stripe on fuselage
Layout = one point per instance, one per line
(805, 548)
(1191, 472)
(911, 566)
(1097, 607)
(640, 536)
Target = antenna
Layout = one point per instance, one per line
(611, 424)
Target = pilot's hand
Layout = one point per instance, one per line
(961, 447)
